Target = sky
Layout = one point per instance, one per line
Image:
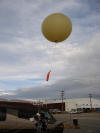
(26, 55)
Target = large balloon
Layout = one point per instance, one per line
(56, 27)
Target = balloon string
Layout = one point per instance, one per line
(49, 61)
(53, 61)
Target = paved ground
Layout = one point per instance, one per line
(13, 122)
(89, 122)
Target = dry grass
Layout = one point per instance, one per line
(14, 122)
(70, 126)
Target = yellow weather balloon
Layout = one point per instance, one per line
(56, 27)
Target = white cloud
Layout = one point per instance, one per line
(79, 74)
(26, 54)
(3, 93)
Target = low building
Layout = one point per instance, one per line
(68, 104)
(73, 104)
(82, 103)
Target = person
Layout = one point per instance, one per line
(42, 123)
(38, 124)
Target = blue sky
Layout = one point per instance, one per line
(26, 56)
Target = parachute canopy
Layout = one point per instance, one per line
(56, 27)
(48, 74)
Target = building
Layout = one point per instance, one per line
(73, 104)
(81, 103)
(68, 104)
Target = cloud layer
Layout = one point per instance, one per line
(26, 56)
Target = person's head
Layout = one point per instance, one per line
(38, 116)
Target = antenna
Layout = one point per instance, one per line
(62, 98)
(90, 96)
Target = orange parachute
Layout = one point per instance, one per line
(48, 75)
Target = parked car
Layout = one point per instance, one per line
(55, 111)
(73, 112)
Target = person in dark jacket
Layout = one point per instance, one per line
(42, 123)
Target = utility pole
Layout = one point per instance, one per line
(90, 96)
(62, 98)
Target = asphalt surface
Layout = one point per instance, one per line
(88, 122)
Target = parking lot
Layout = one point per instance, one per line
(88, 122)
